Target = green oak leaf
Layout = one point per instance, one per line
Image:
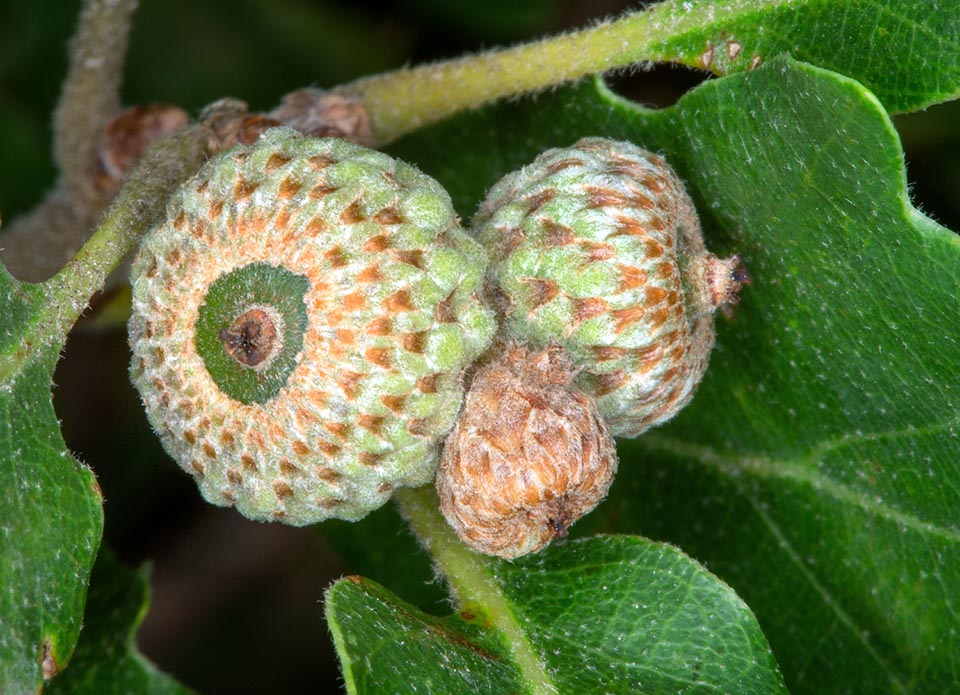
(50, 513)
(906, 52)
(107, 661)
(608, 614)
(818, 468)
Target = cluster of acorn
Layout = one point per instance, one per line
(312, 329)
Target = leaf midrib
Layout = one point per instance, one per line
(825, 594)
(802, 470)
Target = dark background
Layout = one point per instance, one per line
(237, 604)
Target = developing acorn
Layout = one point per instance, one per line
(529, 454)
(597, 247)
(300, 323)
(597, 258)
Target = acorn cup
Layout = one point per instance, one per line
(597, 248)
(529, 454)
(303, 318)
(300, 324)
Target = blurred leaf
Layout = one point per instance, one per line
(107, 661)
(382, 547)
(33, 60)
(50, 515)
(604, 615)
(818, 468)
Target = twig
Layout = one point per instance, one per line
(402, 101)
(37, 244)
(90, 93)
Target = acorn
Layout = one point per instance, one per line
(301, 321)
(529, 454)
(598, 248)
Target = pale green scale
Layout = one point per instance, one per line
(445, 347)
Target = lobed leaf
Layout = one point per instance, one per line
(107, 661)
(383, 546)
(818, 468)
(602, 615)
(50, 514)
(906, 52)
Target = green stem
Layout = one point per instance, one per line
(402, 101)
(472, 581)
(139, 205)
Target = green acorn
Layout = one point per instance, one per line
(301, 320)
(597, 247)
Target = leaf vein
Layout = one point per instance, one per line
(804, 472)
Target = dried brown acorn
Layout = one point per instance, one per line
(529, 455)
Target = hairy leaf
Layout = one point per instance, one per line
(50, 515)
(906, 52)
(818, 468)
(603, 615)
(107, 661)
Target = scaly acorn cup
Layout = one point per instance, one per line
(300, 323)
(529, 454)
(597, 247)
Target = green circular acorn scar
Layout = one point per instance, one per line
(597, 247)
(301, 321)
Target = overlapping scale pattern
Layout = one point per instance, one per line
(528, 457)
(597, 247)
(356, 264)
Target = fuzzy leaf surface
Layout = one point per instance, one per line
(608, 614)
(50, 513)
(817, 470)
(907, 53)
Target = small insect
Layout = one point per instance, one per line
(252, 339)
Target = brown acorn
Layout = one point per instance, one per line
(529, 455)
(127, 137)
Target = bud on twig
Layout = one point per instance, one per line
(128, 135)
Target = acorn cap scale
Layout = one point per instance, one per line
(300, 323)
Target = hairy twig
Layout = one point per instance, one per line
(140, 204)
(472, 581)
(37, 244)
(90, 93)
(402, 101)
(373, 111)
